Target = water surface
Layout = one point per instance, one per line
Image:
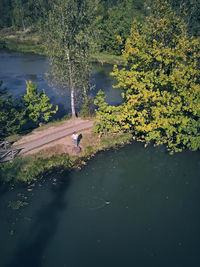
(16, 68)
(132, 207)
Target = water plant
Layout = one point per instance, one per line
(16, 205)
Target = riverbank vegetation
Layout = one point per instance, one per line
(113, 19)
(27, 113)
(25, 46)
(30, 168)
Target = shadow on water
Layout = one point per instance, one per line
(3, 189)
(32, 249)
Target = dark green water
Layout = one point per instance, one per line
(132, 207)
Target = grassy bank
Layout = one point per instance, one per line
(26, 46)
(30, 43)
(21, 41)
(30, 46)
(106, 58)
(30, 168)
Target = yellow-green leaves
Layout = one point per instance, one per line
(37, 105)
(160, 84)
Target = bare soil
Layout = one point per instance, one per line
(60, 146)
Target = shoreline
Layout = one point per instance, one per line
(15, 44)
(28, 169)
(58, 154)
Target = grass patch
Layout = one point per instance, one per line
(29, 42)
(106, 58)
(25, 169)
(114, 141)
(27, 46)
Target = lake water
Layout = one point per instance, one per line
(16, 68)
(134, 206)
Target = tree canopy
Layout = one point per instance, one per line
(18, 114)
(115, 20)
(160, 83)
(67, 34)
(11, 117)
(113, 17)
(37, 105)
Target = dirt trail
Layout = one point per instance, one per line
(52, 136)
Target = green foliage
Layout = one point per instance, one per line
(88, 151)
(15, 116)
(67, 33)
(87, 107)
(107, 116)
(11, 114)
(27, 169)
(5, 13)
(38, 105)
(27, 46)
(112, 19)
(160, 83)
(190, 11)
(114, 22)
(115, 141)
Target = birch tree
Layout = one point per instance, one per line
(68, 43)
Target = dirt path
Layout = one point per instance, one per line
(52, 136)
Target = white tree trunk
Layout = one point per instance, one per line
(23, 25)
(22, 18)
(72, 104)
(84, 91)
(71, 87)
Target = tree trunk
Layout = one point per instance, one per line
(71, 87)
(23, 25)
(72, 103)
(84, 91)
(22, 18)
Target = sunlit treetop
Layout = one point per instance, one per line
(160, 82)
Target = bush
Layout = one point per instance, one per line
(87, 109)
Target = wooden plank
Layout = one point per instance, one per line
(3, 144)
(8, 155)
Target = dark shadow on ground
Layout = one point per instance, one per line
(79, 138)
(31, 250)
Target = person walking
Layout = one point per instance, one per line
(75, 138)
